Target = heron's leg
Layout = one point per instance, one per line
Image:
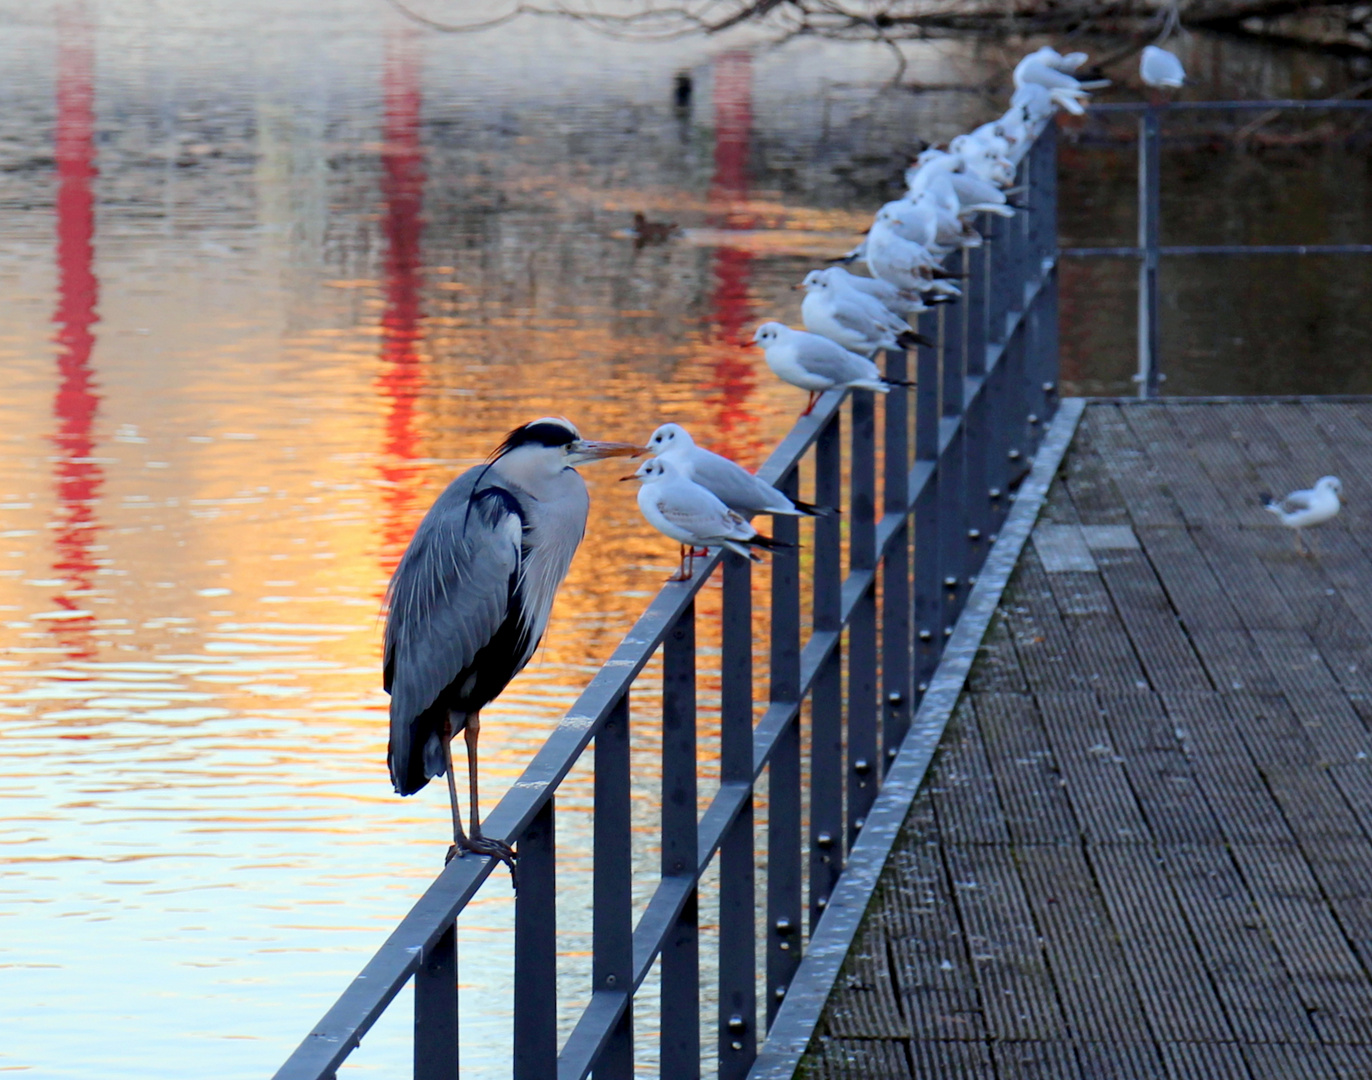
(479, 844)
(459, 837)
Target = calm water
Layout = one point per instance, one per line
(267, 282)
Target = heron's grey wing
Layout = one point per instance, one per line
(451, 593)
(831, 361)
(1296, 502)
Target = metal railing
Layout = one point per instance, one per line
(1150, 248)
(983, 397)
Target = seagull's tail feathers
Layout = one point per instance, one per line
(938, 273)
(888, 383)
(767, 543)
(908, 339)
(811, 510)
(1269, 504)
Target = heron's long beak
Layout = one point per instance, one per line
(590, 450)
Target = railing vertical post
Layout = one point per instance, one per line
(535, 972)
(928, 588)
(863, 767)
(826, 698)
(1150, 208)
(612, 912)
(680, 1040)
(784, 880)
(435, 1011)
(952, 539)
(737, 933)
(895, 569)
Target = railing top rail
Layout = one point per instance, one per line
(1223, 106)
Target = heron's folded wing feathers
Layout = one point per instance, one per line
(450, 594)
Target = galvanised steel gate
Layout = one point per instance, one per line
(983, 397)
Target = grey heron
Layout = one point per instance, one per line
(470, 599)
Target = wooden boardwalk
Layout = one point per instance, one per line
(1145, 847)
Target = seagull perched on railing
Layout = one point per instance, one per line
(817, 364)
(470, 600)
(853, 319)
(694, 517)
(1303, 509)
(1158, 67)
(739, 490)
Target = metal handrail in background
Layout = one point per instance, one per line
(983, 397)
(1150, 249)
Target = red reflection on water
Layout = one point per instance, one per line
(401, 379)
(77, 478)
(734, 370)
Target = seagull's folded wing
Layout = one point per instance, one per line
(1296, 502)
(836, 363)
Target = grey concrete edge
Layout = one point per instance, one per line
(808, 993)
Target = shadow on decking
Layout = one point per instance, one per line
(1145, 846)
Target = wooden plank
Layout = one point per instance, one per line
(1032, 788)
(1236, 946)
(1219, 447)
(1327, 974)
(1286, 1062)
(1232, 555)
(997, 666)
(1036, 1061)
(1193, 590)
(966, 805)
(1160, 774)
(954, 1060)
(1102, 800)
(863, 1003)
(1168, 971)
(1121, 1060)
(1041, 641)
(1087, 480)
(1153, 625)
(1234, 789)
(1080, 593)
(1204, 1061)
(1097, 994)
(930, 956)
(1008, 960)
(1137, 479)
(1105, 656)
(858, 1059)
(1160, 431)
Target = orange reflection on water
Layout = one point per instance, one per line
(78, 478)
(401, 379)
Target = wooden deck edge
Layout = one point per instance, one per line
(1232, 399)
(794, 1026)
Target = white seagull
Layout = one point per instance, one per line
(817, 364)
(1302, 509)
(853, 319)
(1158, 67)
(903, 302)
(681, 509)
(728, 481)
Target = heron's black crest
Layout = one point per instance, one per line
(545, 432)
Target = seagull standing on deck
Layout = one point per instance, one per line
(1302, 509)
(470, 600)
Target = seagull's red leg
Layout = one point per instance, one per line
(810, 406)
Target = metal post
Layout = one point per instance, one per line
(737, 935)
(435, 1011)
(895, 576)
(612, 942)
(535, 974)
(863, 768)
(928, 590)
(952, 541)
(1150, 209)
(680, 1039)
(826, 699)
(784, 869)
